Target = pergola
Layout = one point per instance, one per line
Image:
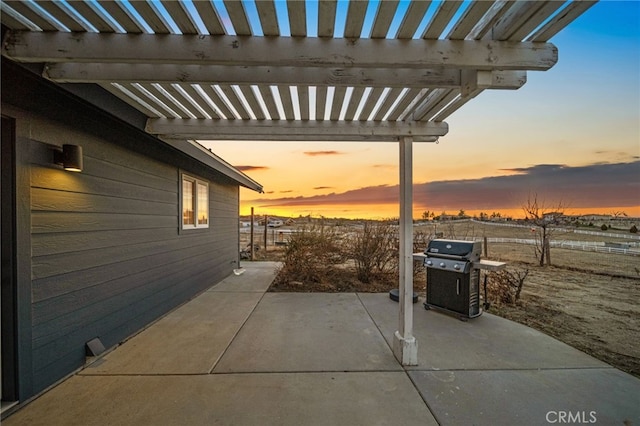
(273, 70)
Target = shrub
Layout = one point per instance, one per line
(505, 286)
(633, 229)
(311, 254)
(374, 250)
(604, 227)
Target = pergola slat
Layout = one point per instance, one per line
(392, 96)
(485, 24)
(338, 99)
(159, 90)
(441, 19)
(186, 102)
(150, 17)
(217, 101)
(371, 103)
(561, 20)
(535, 20)
(402, 104)
(384, 15)
(131, 101)
(235, 102)
(326, 17)
(180, 16)
(209, 17)
(409, 104)
(356, 96)
(27, 12)
(297, 18)
(253, 102)
(321, 101)
(115, 10)
(12, 22)
(437, 103)
(454, 106)
(267, 98)
(91, 16)
(268, 17)
(287, 104)
(412, 19)
(61, 15)
(472, 14)
(303, 99)
(154, 99)
(238, 17)
(515, 18)
(197, 97)
(355, 18)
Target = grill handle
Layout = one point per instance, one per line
(458, 286)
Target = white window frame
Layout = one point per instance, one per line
(195, 202)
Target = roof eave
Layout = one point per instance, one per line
(209, 159)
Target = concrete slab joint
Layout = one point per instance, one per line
(405, 349)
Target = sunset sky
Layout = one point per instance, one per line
(571, 135)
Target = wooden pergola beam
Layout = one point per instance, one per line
(305, 76)
(295, 130)
(26, 46)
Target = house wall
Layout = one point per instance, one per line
(107, 255)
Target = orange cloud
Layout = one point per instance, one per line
(251, 168)
(592, 186)
(318, 153)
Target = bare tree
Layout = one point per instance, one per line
(618, 214)
(545, 219)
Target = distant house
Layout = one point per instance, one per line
(555, 217)
(98, 254)
(595, 218)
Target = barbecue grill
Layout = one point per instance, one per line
(453, 276)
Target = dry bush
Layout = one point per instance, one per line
(374, 251)
(318, 258)
(421, 240)
(311, 254)
(504, 286)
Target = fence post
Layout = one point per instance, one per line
(251, 235)
(265, 233)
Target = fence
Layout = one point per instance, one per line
(598, 247)
(263, 238)
(575, 231)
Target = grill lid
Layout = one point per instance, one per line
(468, 250)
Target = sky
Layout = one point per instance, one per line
(570, 135)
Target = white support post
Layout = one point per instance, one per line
(405, 346)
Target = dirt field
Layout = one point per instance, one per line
(587, 300)
(597, 314)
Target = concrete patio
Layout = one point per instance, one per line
(236, 355)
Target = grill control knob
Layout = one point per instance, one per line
(429, 263)
(456, 266)
(443, 265)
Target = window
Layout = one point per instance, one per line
(195, 203)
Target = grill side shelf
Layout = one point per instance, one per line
(489, 265)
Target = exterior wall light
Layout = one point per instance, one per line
(69, 157)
